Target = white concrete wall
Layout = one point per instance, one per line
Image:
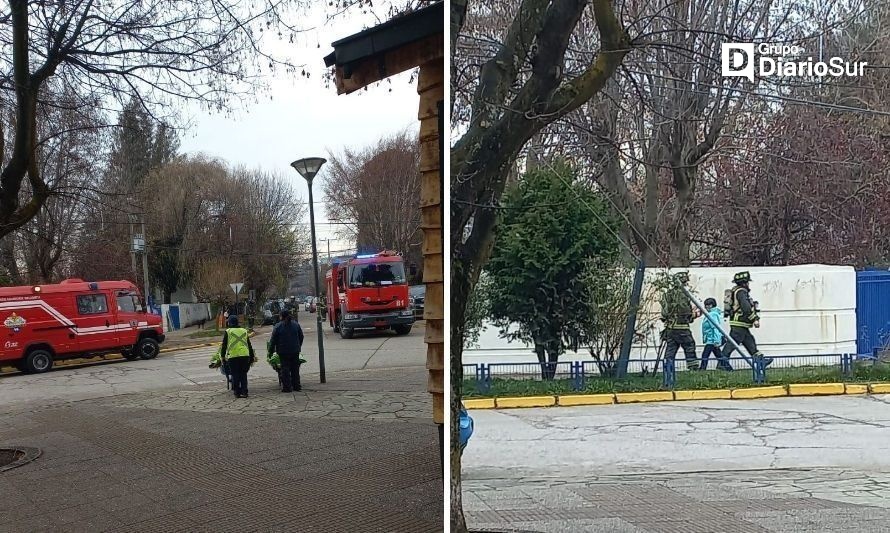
(189, 314)
(805, 310)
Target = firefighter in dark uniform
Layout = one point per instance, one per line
(677, 314)
(237, 351)
(743, 315)
(287, 341)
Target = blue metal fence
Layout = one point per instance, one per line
(872, 310)
(577, 374)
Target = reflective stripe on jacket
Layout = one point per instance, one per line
(743, 313)
(237, 343)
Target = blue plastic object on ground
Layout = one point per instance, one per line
(466, 427)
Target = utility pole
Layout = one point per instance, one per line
(145, 262)
(329, 252)
(133, 248)
(630, 325)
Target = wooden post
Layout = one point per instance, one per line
(430, 87)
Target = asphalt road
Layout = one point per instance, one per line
(186, 368)
(833, 431)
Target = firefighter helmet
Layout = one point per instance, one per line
(742, 277)
(682, 277)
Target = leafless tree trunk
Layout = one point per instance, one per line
(522, 87)
(202, 50)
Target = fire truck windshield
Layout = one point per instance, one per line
(377, 274)
(128, 302)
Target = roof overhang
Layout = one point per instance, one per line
(395, 46)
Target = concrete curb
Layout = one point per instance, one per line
(797, 389)
(189, 347)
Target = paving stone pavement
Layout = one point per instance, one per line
(815, 464)
(786, 501)
(359, 453)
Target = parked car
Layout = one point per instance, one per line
(416, 297)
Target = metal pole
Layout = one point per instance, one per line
(317, 288)
(329, 251)
(133, 251)
(710, 319)
(630, 326)
(145, 262)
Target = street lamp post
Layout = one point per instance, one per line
(308, 168)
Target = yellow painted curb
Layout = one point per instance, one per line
(480, 403)
(759, 392)
(203, 345)
(637, 397)
(189, 347)
(528, 401)
(879, 388)
(815, 389)
(587, 399)
(850, 388)
(719, 394)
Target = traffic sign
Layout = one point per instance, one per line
(236, 287)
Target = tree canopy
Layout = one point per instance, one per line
(551, 229)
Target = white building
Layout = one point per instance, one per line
(805, 310)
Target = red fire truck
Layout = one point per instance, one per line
(368, 292)
(74, 318)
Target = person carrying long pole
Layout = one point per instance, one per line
(743, 315)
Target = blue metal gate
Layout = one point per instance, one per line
(872, 310)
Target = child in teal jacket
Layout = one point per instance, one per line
(712, 337)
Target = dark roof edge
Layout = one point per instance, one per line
(435, 12)
(399, 20)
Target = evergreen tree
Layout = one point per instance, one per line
(550, 230)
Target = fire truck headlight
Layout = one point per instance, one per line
(407, 312)
(351, 317)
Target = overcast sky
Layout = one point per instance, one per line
(304, 118)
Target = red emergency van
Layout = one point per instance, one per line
(75, 318)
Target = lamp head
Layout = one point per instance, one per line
(308, 167)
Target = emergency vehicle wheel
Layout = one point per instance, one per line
(38, 361)
(402, 329)
(148, 348)
(345, 332)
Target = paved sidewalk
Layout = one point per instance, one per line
(787, 501)
(359, 453)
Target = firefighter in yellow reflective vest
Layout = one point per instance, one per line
(237, 351)
(677, 313)
(743, 315)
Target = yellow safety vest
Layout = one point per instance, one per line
(237, 343)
